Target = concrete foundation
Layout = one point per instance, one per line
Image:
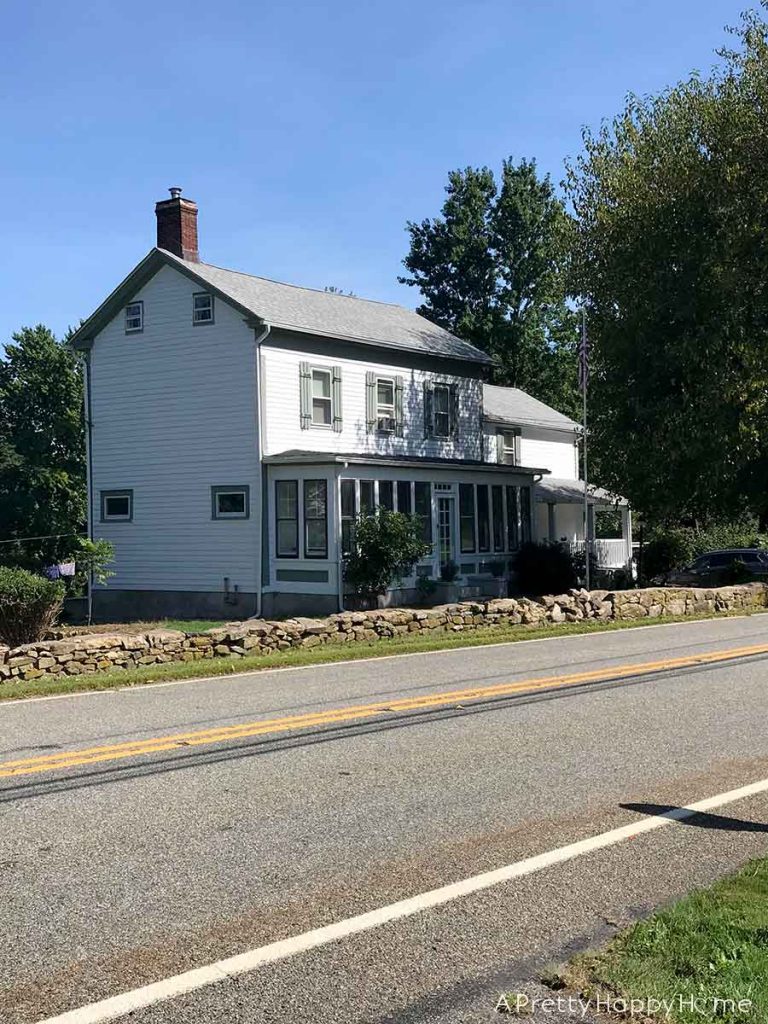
(146, 605)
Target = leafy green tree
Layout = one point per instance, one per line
(42, 448)
(387, 545)
(671, 199)
(491, 270)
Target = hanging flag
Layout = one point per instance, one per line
(583, 356)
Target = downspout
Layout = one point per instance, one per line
(258, 339)
(88, 466)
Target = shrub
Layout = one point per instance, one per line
(387, 546)
(545, 568)
(29, 605)
(449, 572)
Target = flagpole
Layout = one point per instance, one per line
(583, 366)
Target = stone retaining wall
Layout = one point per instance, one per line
(96, 652)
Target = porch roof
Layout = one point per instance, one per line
(558, 491)
(300, 457)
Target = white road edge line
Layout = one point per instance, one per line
(469, 648)
(244, 963)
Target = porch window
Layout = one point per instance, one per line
(404, 497)
(513, 527)
(367, 503)
(483, 518)
(423, 505)
(287, 518)
(347, 515)
(315, 518)
(467, 517)
(525, 514)
(387, 495)
(497, 503)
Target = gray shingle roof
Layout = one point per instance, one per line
(513, 406)
(332, 315)
(562, 491)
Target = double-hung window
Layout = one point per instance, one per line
(441, 410)
(134, 317)
(287, 518)
(315, 518)
(202, 308)
(385, 405)
(322, 401)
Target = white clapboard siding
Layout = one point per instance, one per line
(280, 369)
(543, 449)
(173, 412)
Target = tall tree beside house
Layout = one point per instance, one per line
(671, 199)
(491, 269)
(42, 448)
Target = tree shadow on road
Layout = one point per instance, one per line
(700, 820)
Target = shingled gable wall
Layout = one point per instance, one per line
(95, 652)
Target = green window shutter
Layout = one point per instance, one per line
(336, 392)
(305, 395)
(370, 401)
(399, 417)
(427, 409)
(454, 410)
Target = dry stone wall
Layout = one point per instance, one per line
(98, 652)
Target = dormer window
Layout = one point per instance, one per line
(134, 317)
(385, 405)
(202, 308)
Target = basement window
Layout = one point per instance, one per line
(134, 317)
(116, 506)
(230, 502)
(202, 308)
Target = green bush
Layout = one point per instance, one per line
(673, 547)
(387, 545)
(29, 605)
(545, 568)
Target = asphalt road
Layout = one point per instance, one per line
(120, 873)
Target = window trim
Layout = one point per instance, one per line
(243, 489)
(140, 328)
(120, 492)
(323, 556)
(328, 371)
(279, 519)
(202, 323)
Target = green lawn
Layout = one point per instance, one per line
(712, 945)
(297, 657)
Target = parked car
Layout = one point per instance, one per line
(717, 568)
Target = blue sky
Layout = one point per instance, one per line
(307, 133)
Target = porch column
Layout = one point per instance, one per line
(551, 524)
(626, 532)
(589, 540)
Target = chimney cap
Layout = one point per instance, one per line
(175, 192)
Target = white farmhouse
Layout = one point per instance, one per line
(236, 426)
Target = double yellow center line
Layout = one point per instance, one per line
(263, 727)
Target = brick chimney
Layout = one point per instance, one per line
(177, 226)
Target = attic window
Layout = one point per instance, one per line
(202, 308)
(134, 317)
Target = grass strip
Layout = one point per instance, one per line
(699, 958)
(297, 657)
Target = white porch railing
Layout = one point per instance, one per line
(610, 554)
